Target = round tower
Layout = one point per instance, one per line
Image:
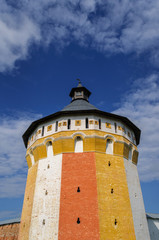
(82, 176)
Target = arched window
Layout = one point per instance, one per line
(49, 149)
(32, 158)
(130, 153)
(78, 144)
(109, 146)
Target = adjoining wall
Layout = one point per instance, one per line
(9, 231)
(153, 225)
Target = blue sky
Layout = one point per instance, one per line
(112, 46)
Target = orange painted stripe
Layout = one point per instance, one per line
(78, 170)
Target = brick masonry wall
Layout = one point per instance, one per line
(9, 232)
(78, 170)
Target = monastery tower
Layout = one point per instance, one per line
(82, 179)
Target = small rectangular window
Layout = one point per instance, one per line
(69, 124)
(99, 123)
(56, 126)
(87, 126)
(42, 134)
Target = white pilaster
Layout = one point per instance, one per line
(46, 203)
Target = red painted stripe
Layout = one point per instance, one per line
(78, 170)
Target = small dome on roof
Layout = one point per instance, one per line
(79, 97)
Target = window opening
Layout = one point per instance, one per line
(78, 189)
(115, 222)
(48, 166)
(112, 190)
(87, 126)
(43, 221)
(115, 126)
(78, 221)
(46, 192)
(42, 134)
(109, 164)
(49, 149)
(109, 146)
(32, 158)
(69, 124)
(130, 153)
(99, 123)
(78, 144)
(56, 126)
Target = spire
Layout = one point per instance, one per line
(79, 82)
(79, 92)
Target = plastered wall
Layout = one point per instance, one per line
(28, 203)
(46, 202)
(136, 199)
(115, 215)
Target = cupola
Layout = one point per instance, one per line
(80, 92)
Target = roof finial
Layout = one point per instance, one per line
(79, 82)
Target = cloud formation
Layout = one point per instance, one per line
(13, 168)
(111, 27)
(141, 105)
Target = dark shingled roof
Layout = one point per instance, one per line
(79, 104)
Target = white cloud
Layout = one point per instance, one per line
(112, 26)
(141, 105)
(13, 168)
(17, 32)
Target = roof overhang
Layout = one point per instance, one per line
(125, 120)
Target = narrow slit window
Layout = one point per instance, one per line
(69, 124)
(130, 154)
(42, 134)
(87, 126)
(99, 123)
(112, 190)
(115, 222)
(78, 189)
(109, 163)
(115, 126)
(78, 221)
(56, 126)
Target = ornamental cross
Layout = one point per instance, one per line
(79, 81)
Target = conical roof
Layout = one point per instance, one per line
(79, 104)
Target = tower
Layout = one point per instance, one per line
(82, 176)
